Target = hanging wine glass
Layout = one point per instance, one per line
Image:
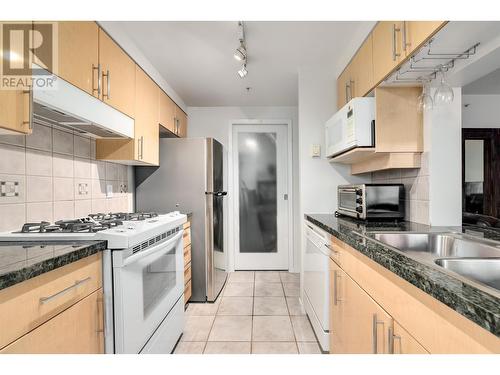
(425, 101)
(444, 92)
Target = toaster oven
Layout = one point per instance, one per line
(372, 201)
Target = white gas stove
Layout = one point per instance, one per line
(121, 230)
(143, 274)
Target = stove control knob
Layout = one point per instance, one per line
(359, 209)
(359, 200)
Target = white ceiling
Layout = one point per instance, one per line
(195, 58)
(487, 85)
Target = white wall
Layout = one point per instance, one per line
(216, 122)
(318, 177)
(443, 142)
(482, 111)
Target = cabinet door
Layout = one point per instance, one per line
(181, 123)
(336, 323)
(78, 54)
(146, 119)
(363, 324)
(15, 112)
(404, 343)
(344, 92)
(77, 330)
(362, 69)
(418, 32)
(118, 75)
(388, 50)
(167, 112)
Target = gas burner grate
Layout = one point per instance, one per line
(123, 216)
(39, 227)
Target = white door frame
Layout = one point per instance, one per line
(233, 236)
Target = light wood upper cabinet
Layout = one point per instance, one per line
(418, 32)
(360, 325)
(388, 49)
(344, 92)
(15, 106)
(117, 75)
(78, 54)
(146, 118)
(404, 343)
(361, 69)
(167, 112)
(77, 330)
(181, 119)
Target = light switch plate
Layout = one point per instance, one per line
(315, 151)
(109, 191)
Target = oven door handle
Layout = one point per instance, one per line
(145, 253)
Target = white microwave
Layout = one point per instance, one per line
(352, 126)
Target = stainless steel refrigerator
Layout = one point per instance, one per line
(190, 179)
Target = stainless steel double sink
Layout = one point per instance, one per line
(473, 258)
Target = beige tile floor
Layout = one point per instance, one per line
(258, 312)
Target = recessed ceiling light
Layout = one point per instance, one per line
(243, 71)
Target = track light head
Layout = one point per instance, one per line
(243, 71)
(241, 53)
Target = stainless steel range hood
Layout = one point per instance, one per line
(66, 106)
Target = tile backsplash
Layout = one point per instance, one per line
(52, 174)
(416, 183)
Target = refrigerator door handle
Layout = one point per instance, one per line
(216, 193)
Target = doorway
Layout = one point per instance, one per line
(261, 204)
(481, 172)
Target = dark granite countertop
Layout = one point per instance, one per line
(23, 260)
(469, 300)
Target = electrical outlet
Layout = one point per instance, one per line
(123, 188)
(315, 151)
(109, 191)
(83, 188)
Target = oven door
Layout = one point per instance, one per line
(147, 285)
(347, 203)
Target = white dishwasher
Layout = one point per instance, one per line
(317, 282)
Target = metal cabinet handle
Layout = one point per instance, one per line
(108, 84)
(375, 323)
(100, 323)
(77, 283)
(142, 147)
(336, 277)
(346, 95)
(391, 339)
(405, 42)
(29, 120)
(394, 42)
(99, 82)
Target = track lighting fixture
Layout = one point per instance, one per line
(240, 53)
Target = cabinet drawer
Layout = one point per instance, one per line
(187, 274)
(27, 305)
(187, 292)
(77, 330)
(187, 255)
(186, 237)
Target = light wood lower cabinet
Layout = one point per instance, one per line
(359, 324)
(404, 343)
(77, 330)
(186, 239)
(409, 321)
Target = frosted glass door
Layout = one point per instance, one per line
(257, 192)
(262, 197)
